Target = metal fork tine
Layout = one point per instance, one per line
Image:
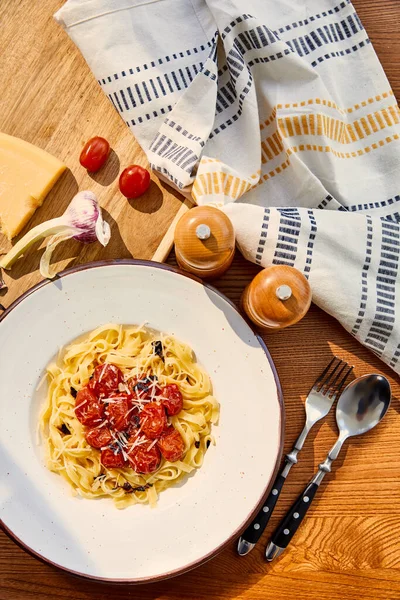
(324, 372)
(326, 383)
(331, 387)
(342, 382)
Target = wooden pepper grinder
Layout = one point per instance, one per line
(277, 297)
(204, 242)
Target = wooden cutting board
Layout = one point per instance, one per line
(48, 96)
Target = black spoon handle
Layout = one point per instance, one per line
(291, 522)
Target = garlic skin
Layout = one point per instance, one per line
(81, 220)
(84, 213)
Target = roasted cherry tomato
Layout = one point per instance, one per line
(88, 410)
(171, 444)
(98, 437)
(94, 154)
(106, 379)
(111, 460)
(153, 420)
(143, 460)
(134, 181)
(144, 389)
(117, 411)
(134, 421)
(172, 399)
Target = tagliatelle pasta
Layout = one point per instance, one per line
(149, 361)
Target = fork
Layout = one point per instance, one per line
(319, 401)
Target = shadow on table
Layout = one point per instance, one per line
(150, 202)
(109, 172)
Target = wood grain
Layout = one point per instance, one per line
(348, 547)
(49, 97)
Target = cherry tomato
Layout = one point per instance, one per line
(112, 461)
(117, 411)
(153, 420)
(94, 154)
(134, 181)
(171, 444)
(145, 388)
(134, 421)
(106, 379)
(172, 399)
(88, 410)
(143, 460)
(98, 437)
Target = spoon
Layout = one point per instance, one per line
(362, 405)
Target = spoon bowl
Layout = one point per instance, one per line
(362, 405)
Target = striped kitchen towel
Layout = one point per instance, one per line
(279, 113)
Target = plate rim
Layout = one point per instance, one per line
(238, 532)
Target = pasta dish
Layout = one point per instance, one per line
(129, 412)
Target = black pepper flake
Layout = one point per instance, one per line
(208, 443)
(140, 488)
(144, 384)
(158, 349)
(74, 393)
(197, 444)
(64, 429)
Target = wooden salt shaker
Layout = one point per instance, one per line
(277, 297)
(204, 242)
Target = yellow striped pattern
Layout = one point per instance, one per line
(220, 182)
(333, 105)
(337, 129)
(214, 180)
(274, 172)
(360, 152)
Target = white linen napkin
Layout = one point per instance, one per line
(282, 107)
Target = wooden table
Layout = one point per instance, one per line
(349, 545)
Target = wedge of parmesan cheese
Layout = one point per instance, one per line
(27, 174)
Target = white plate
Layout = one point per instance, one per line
(193, 521)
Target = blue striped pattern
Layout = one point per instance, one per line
(310, 243)
(396, 357)
(334, 32)
(369, 205)
(394, 216)
(138, 94)
(179, 154)
(156, 63)
(183, 131)
(364, 279)
(325, 202)
(263, 236)
(383, 323)
(320, 59)
(288, 237)
(313, 18)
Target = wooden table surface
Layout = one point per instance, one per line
(49, 97)
(349, 545)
